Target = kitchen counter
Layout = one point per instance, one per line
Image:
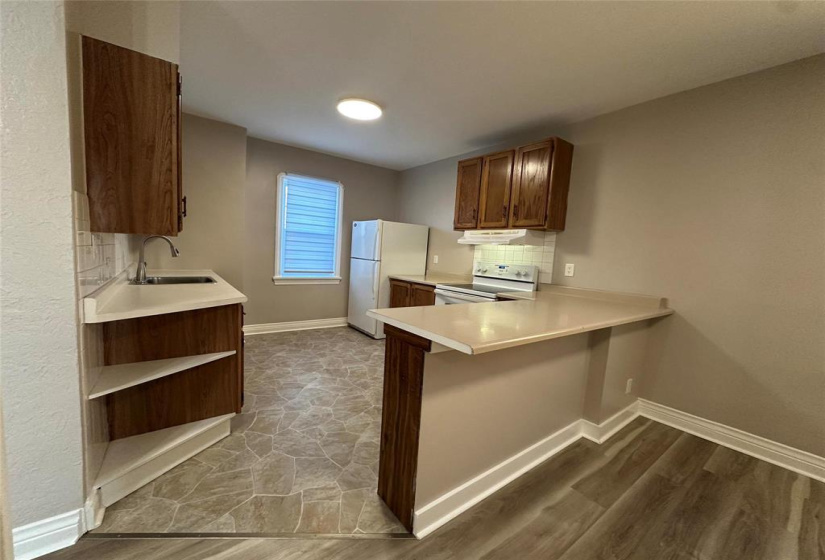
(120, 300)
(552, 312)
(432, 278)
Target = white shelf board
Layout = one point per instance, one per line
(126, 454)
(123, 376)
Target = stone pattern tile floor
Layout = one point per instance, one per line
(302, 457)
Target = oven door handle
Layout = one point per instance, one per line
(466, 298)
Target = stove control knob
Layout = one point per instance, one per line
(518, 273)
(478, 269)
(483, 270)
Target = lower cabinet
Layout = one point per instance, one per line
(207, 390)
(410, 294)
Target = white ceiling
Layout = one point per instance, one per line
(458, 76)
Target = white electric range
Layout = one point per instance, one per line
(489, 279)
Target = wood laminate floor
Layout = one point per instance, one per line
(651, 492)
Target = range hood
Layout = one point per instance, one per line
(493, 237)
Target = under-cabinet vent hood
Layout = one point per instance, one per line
(493, 237)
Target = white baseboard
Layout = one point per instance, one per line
(42, 537)
(93, 510)
(443, 509)
(779, 454)
(266, 328)
(438, 512)
(600, 433)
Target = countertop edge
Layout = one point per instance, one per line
(570, 332)
(150, 311)
(467, 349)
(448, 342)
(110, 292)
(422, 279)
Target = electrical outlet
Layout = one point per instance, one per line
(435, 259)
(629, 386)
(569, 269)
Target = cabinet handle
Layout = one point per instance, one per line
(515, 211)
(184, 206)
(474, 213)
(504, 210)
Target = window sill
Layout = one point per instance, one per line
(293, 280)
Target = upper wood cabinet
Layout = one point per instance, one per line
(522, 188)
(467, 192)
(132, 140)
(496, 177)
(530, 185)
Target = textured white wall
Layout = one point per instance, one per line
(38, 344)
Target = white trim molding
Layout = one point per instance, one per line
(770, 451)
(293, 280)
(45, 536)
(455, 502)
(433, 515)
(600, 433)
(266, 328)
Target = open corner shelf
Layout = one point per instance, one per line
(131, 462)
(123, 376)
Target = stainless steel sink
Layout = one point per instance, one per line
(180, 280)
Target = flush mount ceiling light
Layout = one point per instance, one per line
(359, 109)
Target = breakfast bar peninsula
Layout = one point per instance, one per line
(476, 395)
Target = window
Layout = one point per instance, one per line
(308, 230)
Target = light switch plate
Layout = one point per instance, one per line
(435, 259)
(569, 269)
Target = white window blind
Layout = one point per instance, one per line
(308, 228)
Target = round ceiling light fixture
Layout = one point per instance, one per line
(359, 109)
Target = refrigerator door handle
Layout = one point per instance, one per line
(375, 280)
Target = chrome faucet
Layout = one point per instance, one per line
(140, 276)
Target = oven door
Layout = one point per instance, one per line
(445, 297)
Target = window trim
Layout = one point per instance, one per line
(277, 278)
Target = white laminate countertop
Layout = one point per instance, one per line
(552, 312)
(433, 278)
(121, 300)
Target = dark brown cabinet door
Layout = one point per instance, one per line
(560, 167)
(400, 293)
(132, 140)
(467, 190)
(531, 185)
(422, 294)
(496, 177)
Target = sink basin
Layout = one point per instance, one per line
(180, 280)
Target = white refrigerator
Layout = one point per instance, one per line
(381, 249)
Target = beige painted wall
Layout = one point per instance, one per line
(715, 198)
(514, 397)
(229, 181)
(214, 176)
(427, 196)
(369, 192)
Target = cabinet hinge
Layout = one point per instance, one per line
(180, 84)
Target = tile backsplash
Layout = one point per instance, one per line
(538, 255)
(100, 256)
